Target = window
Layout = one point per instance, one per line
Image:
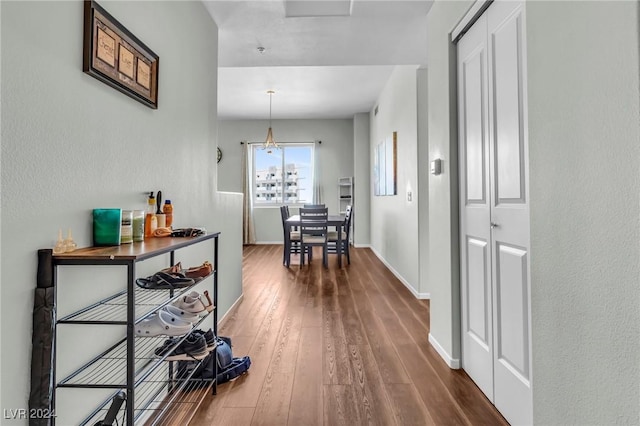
(284, 175)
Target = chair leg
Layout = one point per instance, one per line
(284, 253)
(348, 256)
(325, 256)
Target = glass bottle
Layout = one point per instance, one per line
(126, 229)
(69, 244)
(138, 225)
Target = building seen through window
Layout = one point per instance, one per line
(283, 176)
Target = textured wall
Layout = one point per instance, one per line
(70, 144)
(394, 219)
(362, 179)
(335, 159)
(584, 149)
(443, 215)
(422, 83)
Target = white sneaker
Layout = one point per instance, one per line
(162, 322)
(194, 303)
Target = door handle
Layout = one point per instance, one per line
(494, 225)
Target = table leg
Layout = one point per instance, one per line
(287, 246)
(339, 247)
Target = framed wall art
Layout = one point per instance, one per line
(116, 57)
(385, 175)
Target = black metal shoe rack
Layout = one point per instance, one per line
(153, 394)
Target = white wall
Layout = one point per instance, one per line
(584, 153)
(423, 180)
(335, 159)
(584, 150)
(70, 144)
(362, 180)
(443, 215)
(394, 220)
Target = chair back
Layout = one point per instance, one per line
(313, 206)
(347, 221)
(313, 223)
(284, 213)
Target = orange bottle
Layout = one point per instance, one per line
(168, 212)
(150, 221)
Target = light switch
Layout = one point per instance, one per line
(436, 166)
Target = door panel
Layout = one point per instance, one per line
(510, 212)
(479, 291)
(475, 235)
(507, 109)
(512, 327)
(474, 73)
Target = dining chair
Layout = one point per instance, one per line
(345, 235)
(313, 232)
(291, 239)
(313, 206)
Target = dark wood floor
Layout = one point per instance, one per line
(337, 347)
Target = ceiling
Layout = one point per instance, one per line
(323, 58)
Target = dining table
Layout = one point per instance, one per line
(293, 221)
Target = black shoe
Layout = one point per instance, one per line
(208, 337)
(194, 347)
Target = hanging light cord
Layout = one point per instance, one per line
(270, 98)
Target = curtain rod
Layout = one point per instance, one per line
(279, 143)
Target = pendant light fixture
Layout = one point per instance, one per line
(270, 143)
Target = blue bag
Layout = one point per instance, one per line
(229, 367)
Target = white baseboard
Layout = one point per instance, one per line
(233, 307)
(413, 291)
(362, 245)
(451, 362)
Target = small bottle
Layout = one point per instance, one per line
(59, 247)
(168, 212)
(69, 244)
(150, 221)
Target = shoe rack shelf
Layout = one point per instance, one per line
(113, 309)
(152, 390)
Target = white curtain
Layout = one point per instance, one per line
(248, 229)
(317, 188)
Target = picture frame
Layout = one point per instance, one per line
(385, 174)
(113, 55)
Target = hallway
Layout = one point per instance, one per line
(337, 346)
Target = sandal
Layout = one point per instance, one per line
(199, 271)
(164, 281)
(175, 269)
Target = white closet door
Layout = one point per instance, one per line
(475, 276)
(510, 212)
(494, 202)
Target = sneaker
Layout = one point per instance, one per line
(194, 303)
(194, 347)
(209, 337)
